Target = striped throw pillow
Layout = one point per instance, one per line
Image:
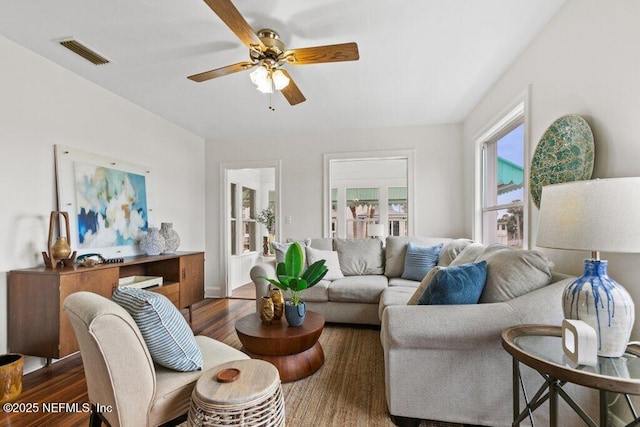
(419, 260)
(168, 336)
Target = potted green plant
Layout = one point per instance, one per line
(293, 279)
(267, 217)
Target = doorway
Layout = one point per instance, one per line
(249, 190)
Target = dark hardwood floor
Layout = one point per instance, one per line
(247, 291)
(55, 389)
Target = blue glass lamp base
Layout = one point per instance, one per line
(602, 303)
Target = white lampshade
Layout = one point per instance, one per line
(596, 215)
(280, 80)
(375, 230)
(259, 76)
(265, 86)
(262, 79)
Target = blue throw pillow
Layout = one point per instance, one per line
(462, 284)
(419, 260)
(165, 331)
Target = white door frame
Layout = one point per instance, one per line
(225, 209)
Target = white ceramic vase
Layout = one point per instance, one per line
(152, 243)
(171, 237)
(603, 304)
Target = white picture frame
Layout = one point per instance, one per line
(110, 191)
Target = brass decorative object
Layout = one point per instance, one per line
(266, 310)
(59, 252)
(278, 303)
(11, 367)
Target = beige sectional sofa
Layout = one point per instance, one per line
(442, 362)
(355, 298)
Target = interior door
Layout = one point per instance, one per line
(248, 190)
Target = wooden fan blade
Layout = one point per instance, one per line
(291, 91)
(235, 21)
(328, 53)
(219, 72)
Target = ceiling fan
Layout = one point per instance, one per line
(268, 55)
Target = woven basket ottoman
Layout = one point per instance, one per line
(239, 393)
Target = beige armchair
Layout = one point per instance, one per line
(125, 387)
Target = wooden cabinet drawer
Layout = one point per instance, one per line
(171, 291)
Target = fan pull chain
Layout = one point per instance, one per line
(273, 89)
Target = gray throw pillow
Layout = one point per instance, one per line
(513, 272)
(360, 256)
(281, 249)
(468, 254)
(451, 250)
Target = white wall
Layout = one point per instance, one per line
(42, 104)
(438, 174)
(584, 62)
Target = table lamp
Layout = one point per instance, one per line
(375, 230)
(596, 215)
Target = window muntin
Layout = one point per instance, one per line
(248, 219)
(362, 210)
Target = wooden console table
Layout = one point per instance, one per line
(37, 323)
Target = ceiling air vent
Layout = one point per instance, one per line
(82, 50)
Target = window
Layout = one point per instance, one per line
(503, 172)
(362, 209)
(397, 211)
(248, 219)
(232, 226)
(360, 192)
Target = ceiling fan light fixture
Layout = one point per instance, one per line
(259, 76)
(280, 80)
(266, 86)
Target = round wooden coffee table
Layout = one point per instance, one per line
(295, 351)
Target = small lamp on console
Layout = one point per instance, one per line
(375, 230)
(596, 215)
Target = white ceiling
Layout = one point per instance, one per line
(421, 62)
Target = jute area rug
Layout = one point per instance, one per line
(348, 390)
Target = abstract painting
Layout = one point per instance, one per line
(111, 206)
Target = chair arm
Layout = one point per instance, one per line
(445, 327)
(266, 269)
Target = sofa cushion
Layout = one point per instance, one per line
(422, 286)
(165, 331)
(451, 250)
(397, 295)
(331, 262)
(360, 256)
(362, 289)
(316, 293)
(468, 254)
(405, 283)
(396, 248)
(419, 260)
(460, 284)
(514, 272)
(280, 249)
